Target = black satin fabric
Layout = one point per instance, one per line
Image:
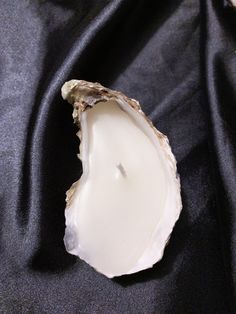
(178, 58)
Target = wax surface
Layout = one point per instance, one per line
(121, 195)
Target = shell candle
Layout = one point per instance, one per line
(120, 214)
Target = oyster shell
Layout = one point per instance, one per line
(120, 214)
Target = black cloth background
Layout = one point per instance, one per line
(178, 58)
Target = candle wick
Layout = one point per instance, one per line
(122, 170)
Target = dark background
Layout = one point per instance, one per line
(178, 58)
